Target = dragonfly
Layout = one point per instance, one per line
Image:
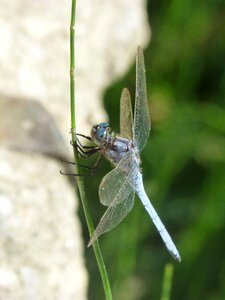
(118, 188)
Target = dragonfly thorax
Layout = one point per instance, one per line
(112, 146)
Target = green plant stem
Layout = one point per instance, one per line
(167, 282)
(80, 182)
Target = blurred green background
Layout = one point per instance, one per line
(183, 162)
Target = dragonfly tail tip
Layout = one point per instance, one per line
(178, 258)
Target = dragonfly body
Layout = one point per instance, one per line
(117, 189)
(115, 149)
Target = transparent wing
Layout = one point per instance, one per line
(126, 115)
(115, 213)
(112, 183)
(116, 191)
(111, 187)
(142, 124)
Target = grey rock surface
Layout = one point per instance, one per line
(41, 248)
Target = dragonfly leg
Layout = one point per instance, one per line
(84, 152)
(80, 149)
(92, 170)
(90, 152)
(96, 165)
(74, 174)
(89, 147)
(73, 163)
(77, 142)
(79, 145)
(85, 136)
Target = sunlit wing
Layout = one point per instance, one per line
(142, 124)
(113, 183)
(126, 115)
(116, 212)
(117, 192)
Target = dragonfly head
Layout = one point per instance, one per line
(99, 132)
